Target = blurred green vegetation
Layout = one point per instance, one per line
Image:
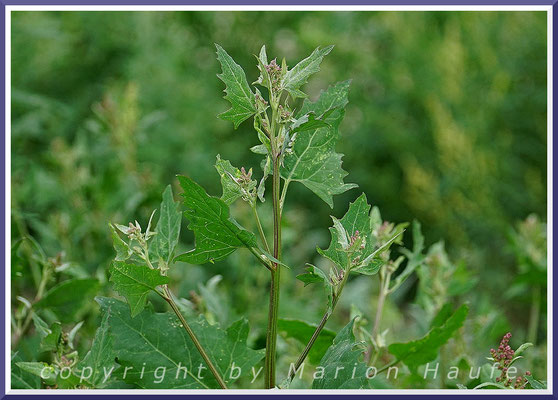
(446, 124)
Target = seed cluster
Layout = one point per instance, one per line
(504, 356)
(274, 72)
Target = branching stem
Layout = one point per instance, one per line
(319, 328)
(167, 295)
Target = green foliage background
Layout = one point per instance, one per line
(446, 124)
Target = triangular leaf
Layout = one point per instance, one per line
(168, 227)
(341, 365)
(156, 343)
(67, 299)
(134, 282)
(311, 158)
(354, 245)
(100, 358)
(302, 331)
(217, 235)
(238, 93)
(299, 74)
(424, 350)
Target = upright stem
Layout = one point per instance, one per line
(259, 224)
(271, 339)
(168, 297)
(534, 315)
(384, 287)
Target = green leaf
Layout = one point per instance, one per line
(68, 298)
(299, 74)
(230, 178)
(134, 282)
(535, 384)
(21, 379)
(310, 122)
(313, 275)
(157, 342)
(52, 340)
(414, 258)
(341, 365)
(424, 350)
(123, 251)
(40, 326)
(445, 312)
(522, 348)
(362, 255)
(311, 159)
(316, 275)
(168, 227)
(217, 235)
(302, 332)
(100, 358)
(238, 93)
(35, 368)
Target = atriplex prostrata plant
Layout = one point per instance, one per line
(297, 145)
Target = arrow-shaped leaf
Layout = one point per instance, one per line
(312, 159)
(299, 74)
(134, 282)
(238, 93)
(217, 235)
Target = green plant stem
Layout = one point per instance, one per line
(259, 257)
(271, 338)
(385, 279)
(259, 224)
(534, 315)
(169, 299)
(45, 276)
(319, 328)
(271, 334)
(388, 366)
(284, 193)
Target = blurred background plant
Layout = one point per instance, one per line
(446, 124)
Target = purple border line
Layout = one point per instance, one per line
(287, 2)
(376, 395)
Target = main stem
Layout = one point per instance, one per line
(271, 339)
(168, 297)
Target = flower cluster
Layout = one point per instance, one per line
(284, 113)
(261, 103)
(274, 72)
(504, 355)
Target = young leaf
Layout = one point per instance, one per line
(312, 159)
(231, 189)
(353, 245)
(52, 340)
(134, 282)
(341, 366)
(414, 258)
(168, 227)
(238, 93)
(156, 343)
(38, 368)
(424, 350)
(101, 356)
(535, 384)
(68, 298)
(123, 251)
(231, 182)
(22, 379)
(299, 74)
(316, 275)
(217, 235)
(302, 332)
